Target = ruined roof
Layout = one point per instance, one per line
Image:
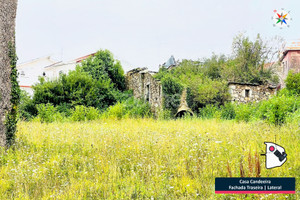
(251, 84)
(242, 83)
(137, 70)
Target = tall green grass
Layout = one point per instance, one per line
(141, 158)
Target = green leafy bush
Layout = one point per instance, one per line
(278, 108)
(228, 111)
(208, 112)
(165, 114)
(82, 113)
(293, 82)
(172, 90)
(116, 111)
(76, 88)
(206, 91)
(103, 66)
(244, 112)
(132, 108)
(48, 113)
(27, 109)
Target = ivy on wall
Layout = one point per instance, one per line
(11, 117)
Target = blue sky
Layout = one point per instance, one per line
(144, 33)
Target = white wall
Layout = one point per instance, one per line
(53, 72)
(30, 72)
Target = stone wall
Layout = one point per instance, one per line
(144, 86)
(244, 93)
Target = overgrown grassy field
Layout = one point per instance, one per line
(141, 159)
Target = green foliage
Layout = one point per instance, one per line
(99, 83)
(76, 88)
(132, 108)
(293, 118)
(213, 66)
(82, 113)
(208, 112)
(228, 111)
(48, 113)
(293, 82)
(278, 108)
(27, 109)
(248, 61)
(102, 66)
(165, 114)
(244, 112)
(141, 159)
(204, 85)
(172, 90)
(206, 91)
(116, 111)
(11, 117)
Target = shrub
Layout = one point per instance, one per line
(276, 109)
(293, 117)
(48, 113)
(228, 111)
(209, 111)
(76, 88)
(132, 108)
(172, 90)
(206, 91)
(103, 66)
(65, 109)
(165, 114)
(293, 82)
(244, 112)
(116, 111)
(82, 113)
(27, 109)
(137, 108)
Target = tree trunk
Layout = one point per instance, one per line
(8, 10)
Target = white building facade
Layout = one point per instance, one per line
(50, 69)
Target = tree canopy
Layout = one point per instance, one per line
(103, 66)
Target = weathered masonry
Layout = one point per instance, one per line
(247, 92)
(144, 86)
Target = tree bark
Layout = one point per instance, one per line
(8, 10)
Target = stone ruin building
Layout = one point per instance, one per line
(247, 92)
(145, 86)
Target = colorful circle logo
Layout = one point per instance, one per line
(281, 18)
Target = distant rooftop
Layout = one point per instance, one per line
(171, 62)
(78, 60)
(290, 46)
(293, 45)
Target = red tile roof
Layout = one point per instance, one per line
(78, 60)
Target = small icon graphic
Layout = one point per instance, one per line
(275, 155)
(281, 18)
